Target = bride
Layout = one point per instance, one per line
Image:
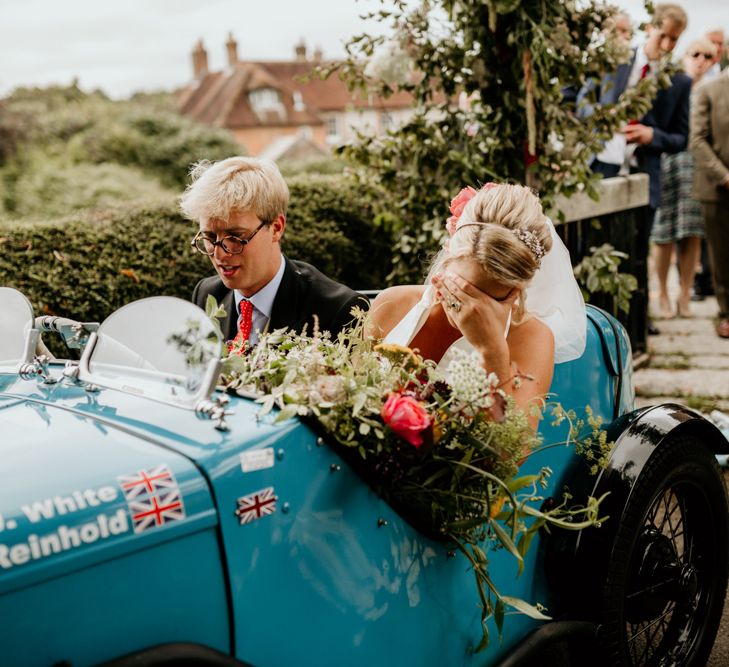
(502, 287)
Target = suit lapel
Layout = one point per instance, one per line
(229, 324)
(285, 310)
(622, 75)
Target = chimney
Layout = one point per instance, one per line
(300, 51)
(232, 47)
(318, 54)
(199, 60)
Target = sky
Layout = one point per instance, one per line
(131, 45)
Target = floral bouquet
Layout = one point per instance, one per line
(444, 454)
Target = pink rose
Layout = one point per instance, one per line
(406, 417)
(458, 203)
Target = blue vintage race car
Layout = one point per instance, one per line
(147, 518)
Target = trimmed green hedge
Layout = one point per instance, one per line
(87, 265)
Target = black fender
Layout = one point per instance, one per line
(176, 655)
(578, 562)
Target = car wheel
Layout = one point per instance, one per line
(667, 577)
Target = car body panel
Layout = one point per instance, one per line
(72, 552)
(333, 573)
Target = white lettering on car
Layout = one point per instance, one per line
(48, 508)
(64, 538)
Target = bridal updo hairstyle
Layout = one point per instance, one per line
(502, 214)
(236, 184)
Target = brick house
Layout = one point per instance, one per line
(271, 112)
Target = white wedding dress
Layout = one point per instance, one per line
(409, 326)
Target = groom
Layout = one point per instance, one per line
(240, 205)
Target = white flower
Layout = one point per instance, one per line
(390, 63)
(470, 383)
(331, 388)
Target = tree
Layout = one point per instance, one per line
(490, 82)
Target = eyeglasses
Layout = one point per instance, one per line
(707, 56)
(206, 242)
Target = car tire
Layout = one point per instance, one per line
(667, 576)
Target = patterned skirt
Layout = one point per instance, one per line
(679, 216)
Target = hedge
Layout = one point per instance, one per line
(87, 265)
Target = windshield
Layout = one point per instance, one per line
(15, 324)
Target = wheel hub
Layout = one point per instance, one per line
(658, 577)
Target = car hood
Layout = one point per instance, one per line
(80, 487)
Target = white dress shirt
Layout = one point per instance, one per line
(262, 302)
(615, 149)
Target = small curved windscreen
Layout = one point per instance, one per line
(161, 346)
(16, 320)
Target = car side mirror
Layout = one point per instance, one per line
(18, 337)
(161, 347)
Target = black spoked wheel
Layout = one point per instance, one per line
(667, 577)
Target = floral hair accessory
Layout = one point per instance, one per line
(458, 203)
(531, 241)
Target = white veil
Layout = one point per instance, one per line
(555, 298)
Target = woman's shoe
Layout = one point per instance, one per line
(683, 309)
(665, 312)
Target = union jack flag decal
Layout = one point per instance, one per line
(153, 497)
(256, 505)
(155, 511)
(145, 482)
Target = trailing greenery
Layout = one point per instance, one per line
(599, 273)
(490, 81)
(88, 264)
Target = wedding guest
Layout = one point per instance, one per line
(710, 147)
(240, 205)
(623, 27)
(702, 282)
(663, 130)
(679, 220)
(502, 289)
(717, 38)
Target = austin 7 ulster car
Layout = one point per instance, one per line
(149, 518)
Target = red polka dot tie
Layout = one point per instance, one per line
(244, 328)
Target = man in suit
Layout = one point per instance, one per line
(240, 205)
(709, 145)
(664, 129)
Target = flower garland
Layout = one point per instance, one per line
(445, 455)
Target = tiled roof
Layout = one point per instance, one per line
(222, 98)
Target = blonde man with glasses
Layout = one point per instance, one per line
(240, 206)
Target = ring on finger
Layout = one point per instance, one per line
(455, 304)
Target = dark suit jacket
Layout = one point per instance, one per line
(668, 117)
(304, 292)
(710, 138)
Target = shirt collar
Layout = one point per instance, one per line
(263, 299)
(641, 58)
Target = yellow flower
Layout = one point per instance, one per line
(399, 354)
(496, 505)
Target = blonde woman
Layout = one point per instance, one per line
(679, 220)
(502, 287)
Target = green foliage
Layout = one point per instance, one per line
(88, 264)
(67, 131)
(599, 272)
(331, 225)
(48, 188)
(488, 93)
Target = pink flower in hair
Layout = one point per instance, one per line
(458, 203)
